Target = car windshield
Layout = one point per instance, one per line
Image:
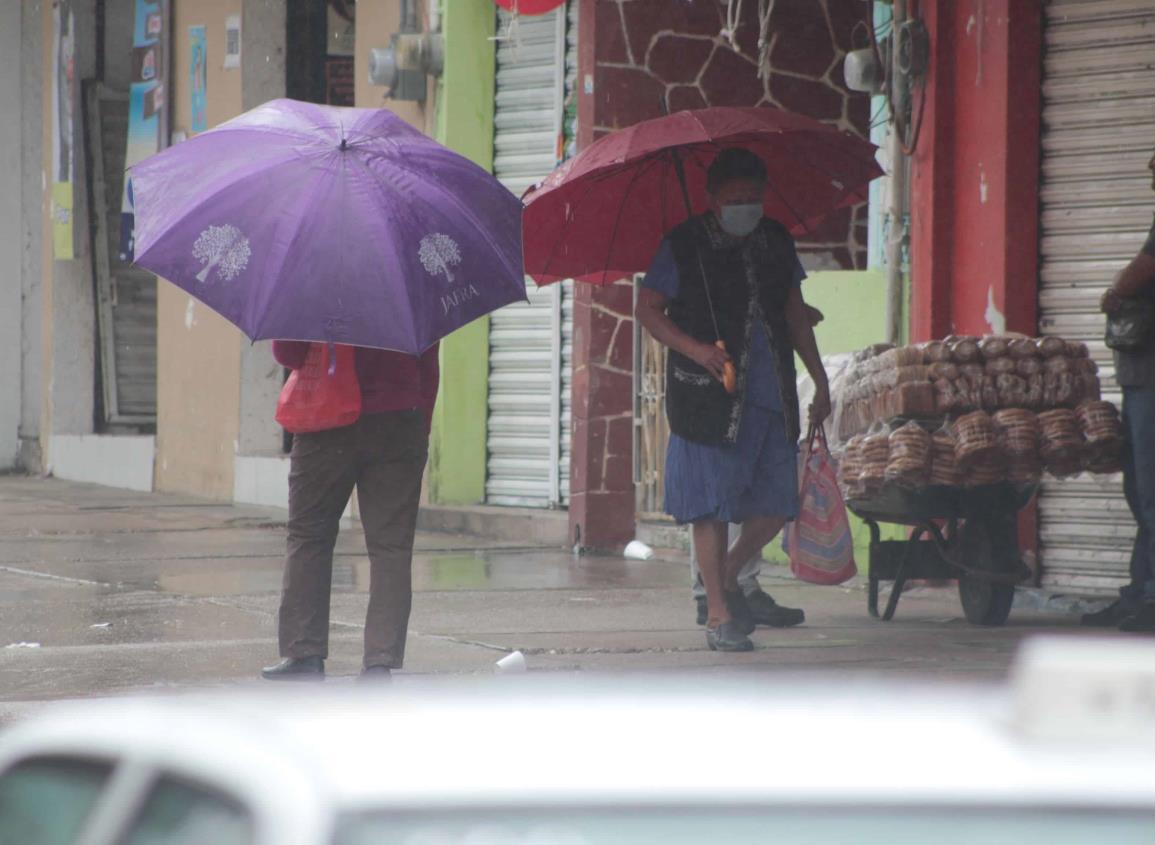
(814, 826)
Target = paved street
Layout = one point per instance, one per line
(104, 591)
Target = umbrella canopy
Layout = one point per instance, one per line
(304, 222)
(601, 215)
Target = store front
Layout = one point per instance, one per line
(1029, 193)
(531, 344)
(1098, 130)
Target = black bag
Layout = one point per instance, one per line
(1129, 328)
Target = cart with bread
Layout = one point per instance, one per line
(950, 439)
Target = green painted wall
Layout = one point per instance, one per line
(854, 303)
(855, 307)
(465, 124)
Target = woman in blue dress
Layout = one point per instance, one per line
(723, 294)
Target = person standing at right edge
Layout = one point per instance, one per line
(1134, 610)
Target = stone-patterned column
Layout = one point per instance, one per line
(602, 485)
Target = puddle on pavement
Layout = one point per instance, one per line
(456, 571)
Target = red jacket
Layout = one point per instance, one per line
(390, 381)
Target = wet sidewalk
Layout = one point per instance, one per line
(105, 591)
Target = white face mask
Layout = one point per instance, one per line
(741, 220)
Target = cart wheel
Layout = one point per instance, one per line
(983, 602)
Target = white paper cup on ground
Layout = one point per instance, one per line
(637, 550)
(512, 663)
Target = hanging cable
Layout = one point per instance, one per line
(733, 21)
(765, 10)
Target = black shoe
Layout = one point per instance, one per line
(376, 674)
(703, 610)
(769, 614)
(1142, 621)
(740, 612)
(728, 637)
(296, 669)
(1111, 615)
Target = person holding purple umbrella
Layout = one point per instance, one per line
(723, 294)
(382, 455)
(342, 234)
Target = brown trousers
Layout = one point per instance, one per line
(383, 456)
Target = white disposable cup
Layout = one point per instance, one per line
(637, 550)
(513, 662)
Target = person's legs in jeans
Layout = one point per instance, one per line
(1131, 595)
(394, 447)
(1139, 419)
(322, 471)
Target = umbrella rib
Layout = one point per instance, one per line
(363, 345)
(453, 199)
(456, 202)
(802, 156)
(558, 241)
(798, 217)
(621, 210)
(849, 192)
(204, 199)
(805, 159)
(378, 180)
(321, 174)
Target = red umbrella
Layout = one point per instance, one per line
(530, 7)
(601, 215)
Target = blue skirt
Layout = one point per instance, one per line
(757, 476)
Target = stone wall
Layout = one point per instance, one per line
(648, 51)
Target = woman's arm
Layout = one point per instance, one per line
(802, 338)
(651, 313)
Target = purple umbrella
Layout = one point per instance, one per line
(304, 222)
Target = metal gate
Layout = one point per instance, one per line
(530, 351)
(126, 295)
(1098, 132)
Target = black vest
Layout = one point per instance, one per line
(750, 280)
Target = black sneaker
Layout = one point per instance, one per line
(768, 613)
(740, 611)
(736, 604)
(728, 637)
(1141, 621)
(1111, 615)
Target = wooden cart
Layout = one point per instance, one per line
(968, 534)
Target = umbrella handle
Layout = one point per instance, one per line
(709, 296)
(680, 170)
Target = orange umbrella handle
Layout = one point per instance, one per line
(729, 371)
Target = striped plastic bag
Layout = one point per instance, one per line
(819, 542)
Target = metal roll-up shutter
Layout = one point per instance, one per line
(529, 362)
(1098, 132)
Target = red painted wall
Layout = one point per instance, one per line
(975, 174)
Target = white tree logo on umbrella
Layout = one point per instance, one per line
(224, 249)
(438, 253)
